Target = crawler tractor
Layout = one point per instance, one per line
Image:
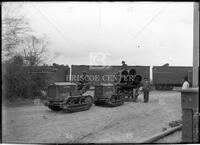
(68, 97)
(124, 89)
(105, 94)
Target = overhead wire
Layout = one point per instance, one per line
(53, 25)
(151, 20)
(55, 28)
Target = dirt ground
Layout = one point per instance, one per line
(175, 137)
(131, 122)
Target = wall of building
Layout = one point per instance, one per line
(104, 74)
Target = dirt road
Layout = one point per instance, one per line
(130, 122)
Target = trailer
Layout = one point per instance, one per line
(104, 74)
(167, 77)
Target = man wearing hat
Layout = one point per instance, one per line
(124, 65)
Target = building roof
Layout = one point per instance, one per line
(109, 84)
(64, 83)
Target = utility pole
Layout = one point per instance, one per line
(190, 97)
(195, 46)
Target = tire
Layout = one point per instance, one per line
(89, 100)
(116, 102)
(55, 108)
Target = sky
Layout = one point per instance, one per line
(105, 33)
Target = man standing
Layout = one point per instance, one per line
(146, 89)
(185, 83)
(124, 66)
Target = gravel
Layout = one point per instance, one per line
(130, 122)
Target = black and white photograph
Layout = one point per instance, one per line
(100, 72)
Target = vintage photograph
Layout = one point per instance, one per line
(100, 72)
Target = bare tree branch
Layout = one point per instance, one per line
(17, 38)
(35, 53)
(14, 28)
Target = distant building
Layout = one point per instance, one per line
(55, 73)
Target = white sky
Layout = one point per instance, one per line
(141, 33)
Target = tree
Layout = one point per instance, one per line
(22, 50)
(20, 81)
(15, 77)
(15, 33)
(35, 50)
(14, 30)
